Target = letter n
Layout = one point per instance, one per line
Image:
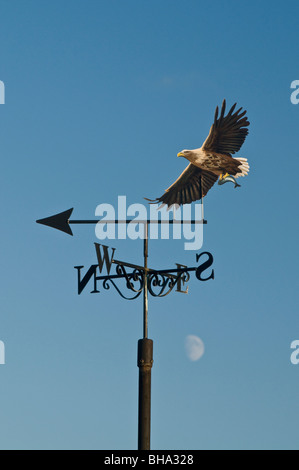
(82, 282)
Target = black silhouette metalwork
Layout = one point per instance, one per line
(62, 221)
(159, 283)
(137, 280)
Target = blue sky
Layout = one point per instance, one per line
(99, 98)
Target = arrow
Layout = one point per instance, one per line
(59, 221)
(62, 221)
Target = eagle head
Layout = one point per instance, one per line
(185, 153)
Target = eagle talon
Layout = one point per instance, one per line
(223, 176)
(226, 179)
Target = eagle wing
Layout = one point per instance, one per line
(227, 133)
(191, 185)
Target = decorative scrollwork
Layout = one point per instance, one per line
(107, 286)
(159, 284)
(136, 276)
(164, 282)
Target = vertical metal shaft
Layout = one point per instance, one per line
(145, 362)
(201, 200)
(145, 291)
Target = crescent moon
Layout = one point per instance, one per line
(195, 347)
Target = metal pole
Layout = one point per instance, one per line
(145, 362)
(145, 291)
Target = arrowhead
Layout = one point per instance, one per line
(59, 221)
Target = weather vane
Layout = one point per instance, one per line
(212, 161)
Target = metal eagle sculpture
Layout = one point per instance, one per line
(212, 160)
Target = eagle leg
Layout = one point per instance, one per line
(223, 176)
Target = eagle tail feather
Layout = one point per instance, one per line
(243, 169)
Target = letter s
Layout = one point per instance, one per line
(294, 99)
(202, 267)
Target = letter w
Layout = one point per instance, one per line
(105, 259)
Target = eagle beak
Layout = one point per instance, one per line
(180, 154)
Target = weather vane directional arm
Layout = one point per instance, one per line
(158, 283)
(62, 221)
